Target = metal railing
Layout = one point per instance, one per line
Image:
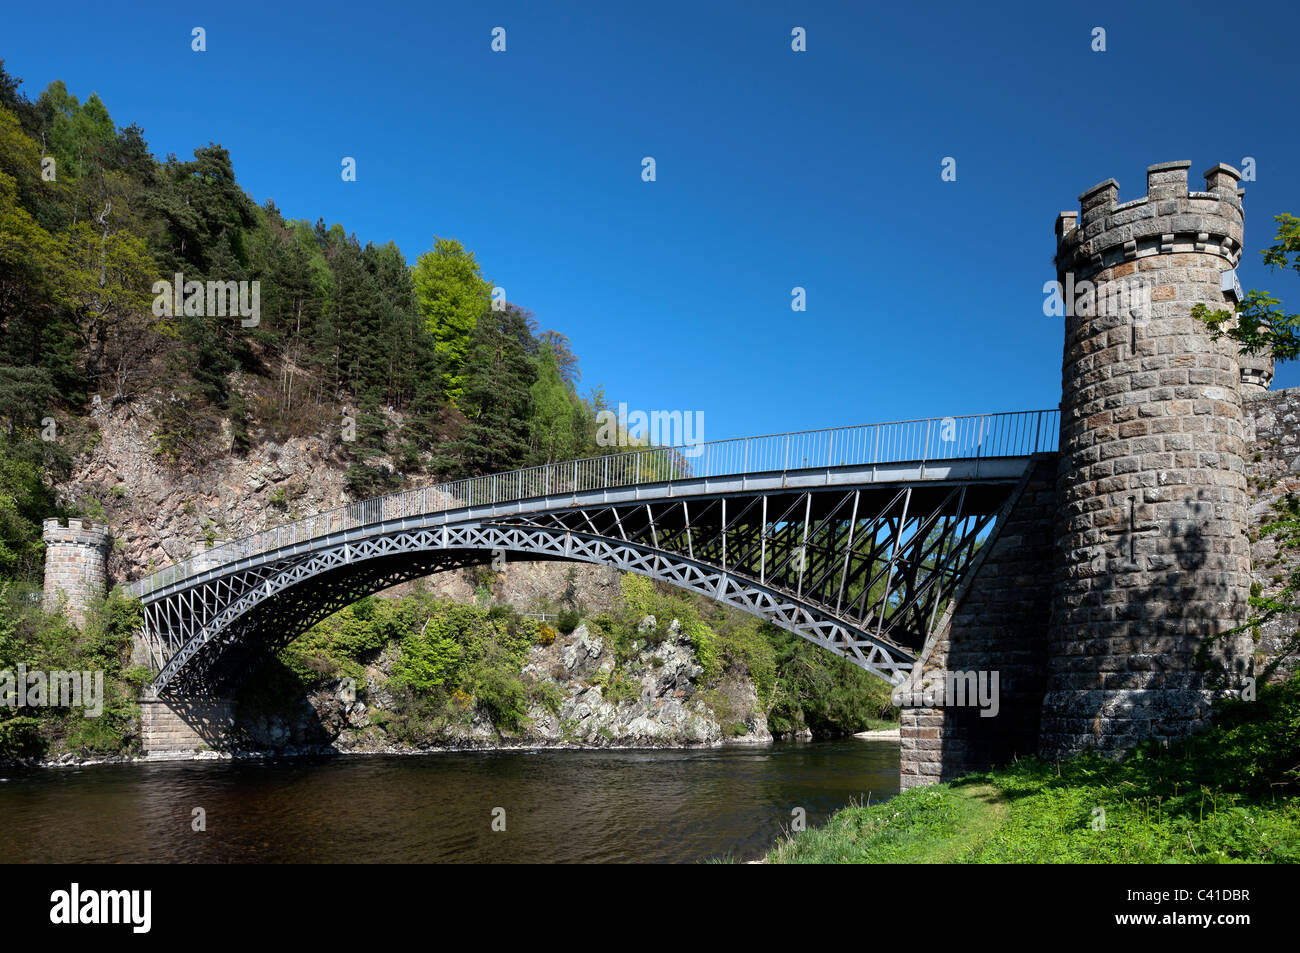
(938, 438)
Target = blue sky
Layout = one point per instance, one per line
(775, 169)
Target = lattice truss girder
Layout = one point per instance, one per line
(863, 572)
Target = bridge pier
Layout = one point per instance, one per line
(1098, 597)
(990, 649)
(179, 728)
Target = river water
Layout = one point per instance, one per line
(559, 806)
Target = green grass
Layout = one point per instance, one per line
(1227, 795)
(940, 824)
(879, 724)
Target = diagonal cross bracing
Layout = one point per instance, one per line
(861, 572)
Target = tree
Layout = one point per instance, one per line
(497, 401)
(553, 434)
(565, 359)
(1257, 323)
(105, 282)
(451, 294)
(81, 136)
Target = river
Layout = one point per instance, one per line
(559, 806)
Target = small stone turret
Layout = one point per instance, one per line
(1153, 556)
(76, 565)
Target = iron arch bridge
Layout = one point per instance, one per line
(853, 538)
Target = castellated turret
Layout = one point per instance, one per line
(76, 566)
(1152, 553)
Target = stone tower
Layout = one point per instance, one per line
(76, 565)
(1152, 552)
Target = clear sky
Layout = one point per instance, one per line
(775, 169)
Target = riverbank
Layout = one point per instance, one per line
(1230, 794)
(318, 751)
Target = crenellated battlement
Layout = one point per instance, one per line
(78, 531)
(1169, 219)
(76, 565)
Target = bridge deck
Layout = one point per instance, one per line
(973, 449)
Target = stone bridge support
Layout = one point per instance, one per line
(180, 728)
(1153, 557)
(1104, 596)
(996, 630)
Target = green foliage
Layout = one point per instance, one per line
(452, 295)
(619, 686)
(434, 656)
(556, 432)
(798, 684)
(1257, 323)
(443, 649)
(47, 643)
(705, 643)
(547, 694)
(822, 692)
(497, 685)
(932, 824)
(25, 501)
(1227, 795)
(639, 595)
(496, 400)
(438, 383)
(451, 661)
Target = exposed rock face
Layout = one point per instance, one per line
(530, 586)
(652, 699)
(160, 513)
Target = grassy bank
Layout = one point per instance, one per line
(1229, 795)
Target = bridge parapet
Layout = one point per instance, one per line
(972, 437)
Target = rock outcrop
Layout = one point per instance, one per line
(653, 698)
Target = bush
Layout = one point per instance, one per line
(503, 694)
(548, 695)
(48, 642)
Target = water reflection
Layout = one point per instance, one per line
(560, 806)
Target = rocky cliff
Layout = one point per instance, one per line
(161, 512)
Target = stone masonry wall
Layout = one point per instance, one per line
(1273, 472)
(998, 624)
(1153, 556)
(1003, 616)
(76, 565)
(181, 728)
